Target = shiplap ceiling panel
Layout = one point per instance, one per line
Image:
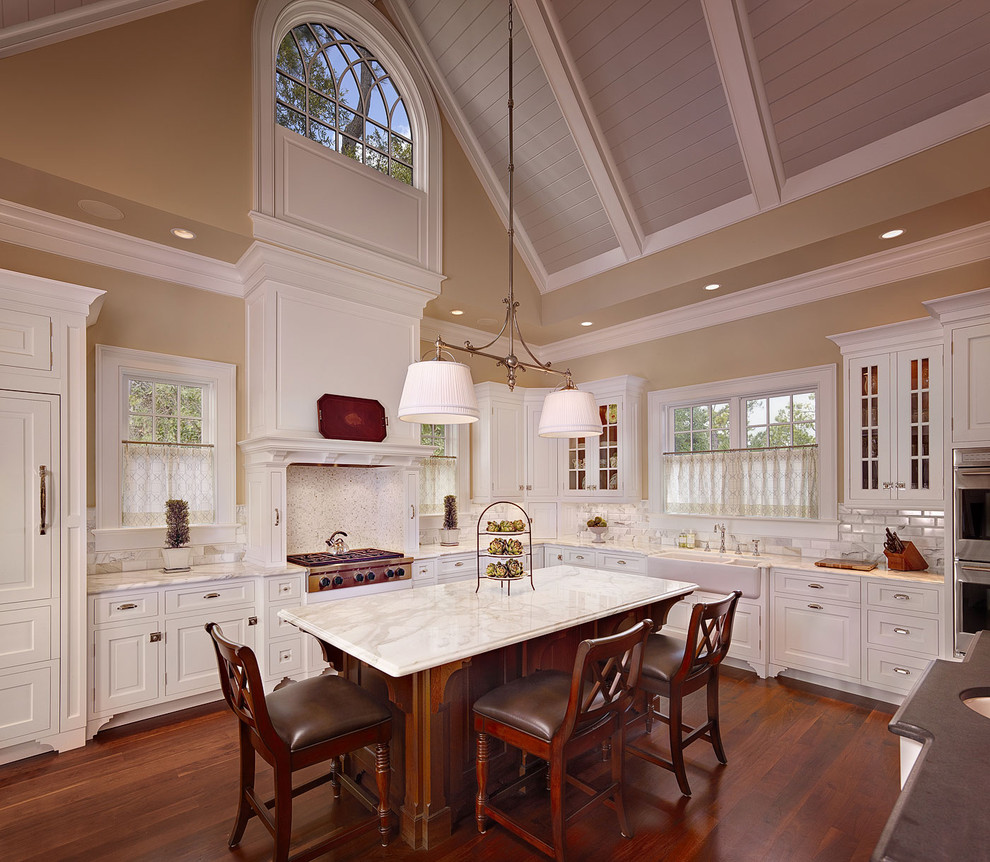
(840, 75)
(554, 194)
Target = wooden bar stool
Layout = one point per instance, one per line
(555, 716)
(673, 668)
(300, 724)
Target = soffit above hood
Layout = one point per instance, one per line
(281, 451)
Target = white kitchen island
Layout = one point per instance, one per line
(433, 651)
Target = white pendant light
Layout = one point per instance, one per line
(438, 393)
(569, 412)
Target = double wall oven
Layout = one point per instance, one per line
(971, 542)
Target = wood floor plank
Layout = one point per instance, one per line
(812, 777)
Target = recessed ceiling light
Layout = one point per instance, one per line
(890, 234)
(457, 312)
(712, 286)
(183, 233)
(586, 323)
(100, 210)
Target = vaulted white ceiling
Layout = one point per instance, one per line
(662, 144)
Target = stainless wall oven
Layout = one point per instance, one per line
(970, 542)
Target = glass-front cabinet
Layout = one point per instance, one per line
(607, 466)
(894, 413)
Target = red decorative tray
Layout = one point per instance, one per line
(343, 417)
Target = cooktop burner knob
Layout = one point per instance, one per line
(337, 581)
(358, 578)
(324, 583)
(389, 574)
(400, 572)
(371, 576)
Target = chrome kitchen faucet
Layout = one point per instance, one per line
(720, 528)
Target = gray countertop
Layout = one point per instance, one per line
(941, 813)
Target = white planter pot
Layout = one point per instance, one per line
(449, 537)
(176, 559)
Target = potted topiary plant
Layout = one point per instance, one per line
(598, 526)
(449, 532)
(176, 554)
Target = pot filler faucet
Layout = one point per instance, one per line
(720, 528)
(337, 546)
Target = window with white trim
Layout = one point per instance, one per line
(438, 473)
(165, 430)
(761, 447)
(331, 89)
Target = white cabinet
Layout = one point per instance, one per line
(542, 457)
(607, 467)
(424, 573)
(43, 513)
(747, 627)
(151, 646)
(970, 387)
(894, 426)
(902, 630)
(456, 567)
(285, 651)
(497, 450)
(816, 623)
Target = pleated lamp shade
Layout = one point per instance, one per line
(570, 413)
(438, 393)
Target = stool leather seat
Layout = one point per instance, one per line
(662, 657)
(311, 711)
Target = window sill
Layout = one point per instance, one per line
(133, 538)
(789, 528)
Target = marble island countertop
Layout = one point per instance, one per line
(941, 812)
(404, 632)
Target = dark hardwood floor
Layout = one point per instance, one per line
(810, 777)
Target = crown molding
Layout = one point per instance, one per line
(71, 23)
(42, 231)
(948, 251)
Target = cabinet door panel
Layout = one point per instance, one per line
(28, 431)
(970, 393)
(868, 402)
(126, 671)
(26, 340)
(25, 704)
(919, 425)
(817, 636)
(190, 661)
(25, 636)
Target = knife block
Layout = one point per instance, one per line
(909, 560)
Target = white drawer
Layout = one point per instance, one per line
(893, 671)
(915, 598)
(25, 636)
(208, 596)
(286, 656)
(124, 606)
(811, 585)
(457, 565)
(901, 631)
(578, 557)
(424, 572)
(285, 588)
(275, 627)
(26, 704)
(615, 562)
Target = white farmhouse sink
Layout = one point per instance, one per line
(714, 573)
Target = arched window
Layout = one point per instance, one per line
(332, 90)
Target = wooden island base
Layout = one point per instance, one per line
(433, 751)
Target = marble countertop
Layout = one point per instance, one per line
(806, 564)
(151, 578)
(941, 812)
(408, 631)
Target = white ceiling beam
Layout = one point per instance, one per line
(543, 27)
(735, 56)
(400, 14)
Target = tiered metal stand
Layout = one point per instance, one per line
(485, 557)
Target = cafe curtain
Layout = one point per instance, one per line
(437, 479)
(155, 472)
(747, 483)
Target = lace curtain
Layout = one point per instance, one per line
(437, 478)
(750, 483)
(156, 472)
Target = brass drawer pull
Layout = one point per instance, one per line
(128, 607)
(901, 631)
(902, 670)
(816, 586)
(578, 556)
(621, 562)
(460, 563)
(212, 596)
(902, 597)
(816, 607)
